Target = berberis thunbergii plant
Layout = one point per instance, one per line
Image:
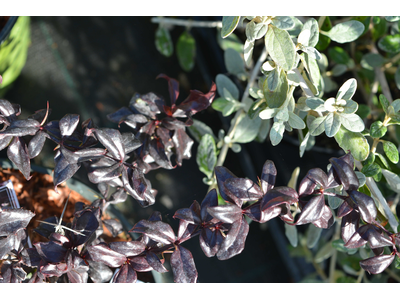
(291, 86)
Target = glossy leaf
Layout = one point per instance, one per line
(391, 151)
(126, 274)
(243, 189)
(183, 266)
(104, 254)
(157, 230)
(312, 211)
(234, 241)
(377, 264)
(226, 213)
(366, 205)
(268, 176)
(11, 220)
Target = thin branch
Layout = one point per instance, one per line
(187, 23)
(380, 75)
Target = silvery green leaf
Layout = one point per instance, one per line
(233, 62)
(317, 126)
(353, 141)
(282, 115)
(312, 26)
(332, 124)
(283, 22)
(334, 202)
(255, 31)
(345, 32)
(397, 77)
(313, 233)
(396, 105)
(312, 52)
(347, 90)
(350, 107)
(207, 155)
(295, 121)
(247, 129)
(229, 24)
(293, 78)
(312, 68)
(303, 144)
(232, 41)
(273, 79)
(352, 122)
(324, 253)
(390, 43)
(296, 29)
(199, 129)
(280, 47)
(291, 234)
(392, 179)
(164, 42)
(301, 104)
(248, 52)
(316, 104)
(288, 128)
(392, 19)
(226, 105)
(308, 85)
(263, 131)
(323, 63)
(236, 148)
(268, 113)
(276, 133)
(372, 60)
(329, 84)
(277, 97)
(223, 82)
(253, 92)
(338, 70)
(361, 178)
(268, 66)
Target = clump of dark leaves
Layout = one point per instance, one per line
(80, 254)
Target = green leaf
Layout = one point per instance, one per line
(339, 245)
(246, 129)
(372, 60)
(309, 34)
(234, 62)
(255, 31)
(371, 170)
(248, 52)
(263, 131)
(391, 151)
(347, 90)
(338, 70)
(345, 279)
(338, 55)
(396, 105)
(226, 106)
(317, 126)
(384, 163)
(232, 41)
(316, 104)
(324, 41)
(273, 79)
(291, 234)
(397, 262)
(256, 108)
(363, 111)
(384, 102)
(207, 155)
(332, 124)
(277, 97)
(350, 107)
(186, 51)
(303, 144)
(325, 252)
(390, 43)
(377, 129)
(283, 22)
(392, 19)
(280, 47)
(228, 25)
(199, 129)
(295, 121)
(361, 178)
(164, 42)
(312, 68)
(392, 179)
(276, 133)
(353, 141)
(397, 77)
(223, 82)
(379, 29)
(313, 233)
(268, 113)
(345, 32)
(334, 202)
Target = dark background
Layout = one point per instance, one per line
(92, 66)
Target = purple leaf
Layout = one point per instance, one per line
(368, 233)
(35, 145)
(377, 264)
(326, 220)
(6, 108)
(210, 241)
(183, 144)
(104, 254)
(183, 266)
(157, 152)
(344, 209)
(345, 173)
(68, 124)
(21, 128)
(191, 215)
(242, 189)
(52, 252)
(112, 140)
(11, 242)
(268, 176)
(365, 204)
(131, 248)
(125, 275)
(222, 174)
(312, 211)
(4, 141)
(313, 178)
(114, 226)
(350, 223)
(156, 230)
(17, 152)
(63, 170)
(78, 269)
(173, 87)
(154, 262)
(11, 220)
(210, 200)
(99, 272)
(228, 213)
(234, 241)
(140, 264)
